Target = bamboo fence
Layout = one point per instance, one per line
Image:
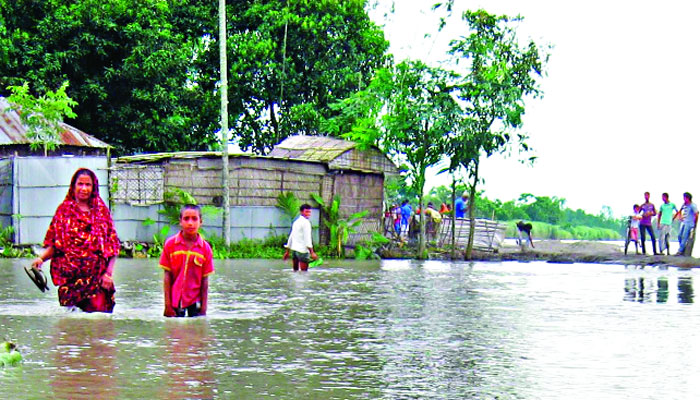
(488, 234)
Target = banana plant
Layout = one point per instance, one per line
(289, 204)
(340, 228)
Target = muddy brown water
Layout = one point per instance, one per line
(366, 330)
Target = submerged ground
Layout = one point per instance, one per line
(599, 252)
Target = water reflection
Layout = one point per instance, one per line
(685, 289)
(662, 292)
(188, 373)
(84, 356)
(646, 289)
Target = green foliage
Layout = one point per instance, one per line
(543, 230)
(9, 356)
(7, 246)
(289, 204)
(497, 76)
(340, 228)
(158, 241)
(291, 60)
(368, 249)
(544, 209)
(42, 115)
(143, 72)
(175, 198)
(409, 111)
(270, 248)
(396, 190)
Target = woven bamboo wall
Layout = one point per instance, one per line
(255, 182)
(359, 192)
(370, 160)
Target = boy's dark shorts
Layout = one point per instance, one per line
(192, 311)
(301, 257)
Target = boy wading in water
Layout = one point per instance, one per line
(299, 242)
(187, 264)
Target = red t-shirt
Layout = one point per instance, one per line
(188, 267)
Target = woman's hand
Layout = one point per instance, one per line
(106, 281)
(37, 262)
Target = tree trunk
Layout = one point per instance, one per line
(472, 223)
(421, 241)
(454, 218)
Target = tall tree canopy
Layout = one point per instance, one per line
(291, 59)
(136, 68)
(409, 111)
(498, 74)
(145, 72)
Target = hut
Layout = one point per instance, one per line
(27, 175)
(301, 165)
(356, 175)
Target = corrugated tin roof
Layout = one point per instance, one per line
(312, 148)
(12, 131)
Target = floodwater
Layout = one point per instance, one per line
(366, 330)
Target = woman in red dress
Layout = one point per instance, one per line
(83, 247)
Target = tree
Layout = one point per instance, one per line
(408, 111)
(141, 71)
(145, 72)
(292, 59)
(543, 208)
(43, 115)
(498, 74)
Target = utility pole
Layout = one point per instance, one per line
(223, 70)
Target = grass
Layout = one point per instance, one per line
(543, 230)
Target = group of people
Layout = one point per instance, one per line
(641, 222)
(403, 221)
(83, 246)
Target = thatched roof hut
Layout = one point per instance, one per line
(301, 164)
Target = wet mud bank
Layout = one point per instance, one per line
(555, 251)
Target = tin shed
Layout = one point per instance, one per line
(14, 140)
(33, 185)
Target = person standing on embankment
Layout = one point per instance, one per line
(689, 212)
(663, 223)
(648, 211)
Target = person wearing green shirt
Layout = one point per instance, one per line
(663, 223)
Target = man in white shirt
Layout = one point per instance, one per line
(299, 242)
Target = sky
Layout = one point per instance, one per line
(618, 116)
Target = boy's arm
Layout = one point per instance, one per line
(203, 295)
(167, 286)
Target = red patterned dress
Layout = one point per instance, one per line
(83, 242)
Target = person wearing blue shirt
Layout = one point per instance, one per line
(689, 212)
(461, 206)
(406, 213)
